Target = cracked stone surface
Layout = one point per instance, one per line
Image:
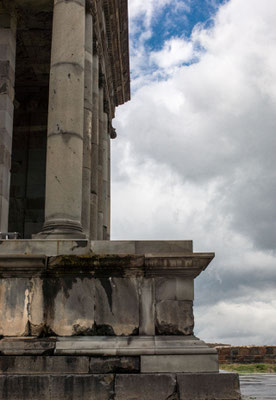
(70, 305)
(117, 305)
(174, 317)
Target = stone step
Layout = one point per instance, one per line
(120, 387)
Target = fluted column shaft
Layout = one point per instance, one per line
(95, 149)
(65, 122)
(7, 76)
(100, 165)
(108, 186)
(105, 176)
(87, 132)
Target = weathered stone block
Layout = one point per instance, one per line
(14, 313)
(174, 288)
(116, 306)
(142, 246)
(6, 88)
(105, 365)
(163, 246)
(6, 104)
(147, 307)
(6, 52)
(145, 387)
(5, 159)
(82, 387)
(113, 246)
(180, 363)
(69, 305)
(35, 307)
(6, 71)
(24, 387)
(43, 365)
(56, 387)
(6, 124)
(22, 307)
(209, 387)
(174, 317)
(27, 346)
(50, 248)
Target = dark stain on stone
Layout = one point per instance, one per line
(170, 329)
(110, 365)
(28, 329)
(103, 330)
(7, 363)
(3, 88)
(81, 243)
(5, 391)
(135, 332)
(70, 360)
(68, 386)
(129, 340)
(106, 284)
(51, 287)
(49, 352)
(46, 332)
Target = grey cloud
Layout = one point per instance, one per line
(195, 159)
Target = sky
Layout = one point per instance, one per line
(195, 153)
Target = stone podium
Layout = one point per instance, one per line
(104, 319)
(83, 317)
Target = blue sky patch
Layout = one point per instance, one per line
(180, 21)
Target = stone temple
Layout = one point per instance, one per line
(81, 316)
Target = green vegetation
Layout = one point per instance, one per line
(249, 368)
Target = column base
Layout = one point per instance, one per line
(61, 230)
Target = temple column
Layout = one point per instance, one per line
(108, 186)
(95, 149)
(7, 77)
(65, 122)
(87, 129)
(105, 176)
(100, 165)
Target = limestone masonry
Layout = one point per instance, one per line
(83, 317)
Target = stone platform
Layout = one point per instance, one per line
(104, 320)
(119, 386)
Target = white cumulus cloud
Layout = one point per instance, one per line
(195, 159)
